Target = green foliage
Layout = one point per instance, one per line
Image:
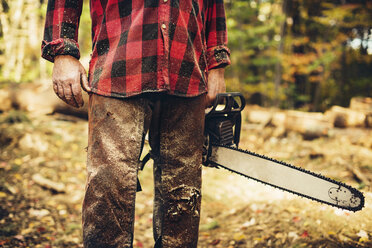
(85, 40)
(318, 65)
(20, 41)
(253, 38)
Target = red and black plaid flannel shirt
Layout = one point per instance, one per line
(143, 45)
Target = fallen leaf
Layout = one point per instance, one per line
(362, 234)
(215, 242)
(296, 219)
(292, 209)
(41, 229)
(239, 236)
(258, 211)
(293, 235)
(3, 165)
(18, 176)
(209, 226)
(139, 244)
(305, 234)
(19, 237)
(38, 213)
(331, 233)
(17, 161)
(279, 235)
(251, 222)
(363, 240)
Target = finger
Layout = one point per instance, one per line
(208, 101)
(55, 88)
(60, 93)
(84, 80)
(68, 96)
(76, 92)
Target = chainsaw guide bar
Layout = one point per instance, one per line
(337, 194)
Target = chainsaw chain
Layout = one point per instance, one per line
(354, 191)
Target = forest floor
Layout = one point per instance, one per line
(42, 176)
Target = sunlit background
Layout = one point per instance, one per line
(287, 55)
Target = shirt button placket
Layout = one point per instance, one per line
(164, 15)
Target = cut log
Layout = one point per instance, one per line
(369, 120)
(310, 125)
(278, 119)
(258, 116)
(362, 104)
(344, 117)
(38, 99)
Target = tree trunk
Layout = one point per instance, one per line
(278, 65)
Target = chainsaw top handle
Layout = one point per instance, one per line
(233, 102)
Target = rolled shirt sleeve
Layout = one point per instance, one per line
(61, 29)
(218, 54)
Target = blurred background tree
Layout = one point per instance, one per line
(21, 32)
(300, 54)
(287, 53)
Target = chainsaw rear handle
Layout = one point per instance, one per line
(233, 102)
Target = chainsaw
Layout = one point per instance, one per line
(222, 135)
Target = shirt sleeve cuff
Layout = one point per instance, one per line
(62, 46)
(218, 57)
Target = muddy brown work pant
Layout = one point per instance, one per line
(116, 132)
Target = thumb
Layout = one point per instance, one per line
(208, 101)
(84, 80)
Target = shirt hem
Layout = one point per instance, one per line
(133, 94)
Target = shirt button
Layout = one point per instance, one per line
(163, 26)
(165, 1)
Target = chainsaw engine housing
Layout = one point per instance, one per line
(223, 122)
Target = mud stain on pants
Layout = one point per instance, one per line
(116, 131)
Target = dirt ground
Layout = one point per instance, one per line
(42, 176)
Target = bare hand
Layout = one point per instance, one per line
(68, 77)
(216, 84)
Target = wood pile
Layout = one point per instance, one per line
(363, 105)
(41, 99)
(310, 125)
(359, 114)
(345, 117)
(313, 125)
